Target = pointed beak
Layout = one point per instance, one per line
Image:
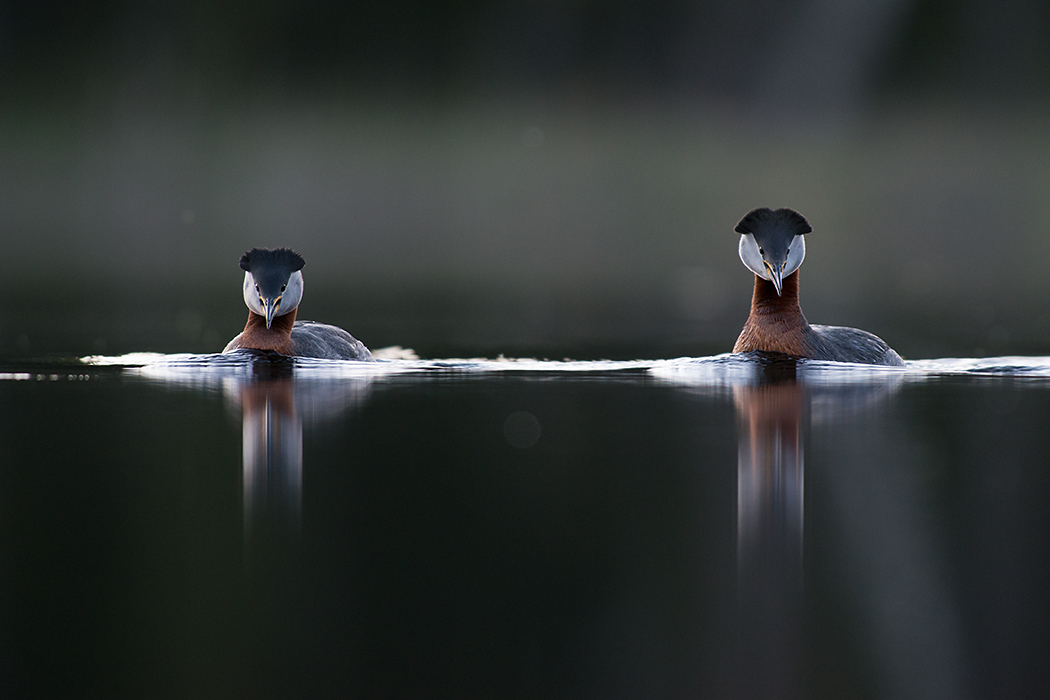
(775, 272)
(270, 306)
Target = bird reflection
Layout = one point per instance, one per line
(777, 400)
(769, 472)
(274, 406)
(770, 529)
(272, 447)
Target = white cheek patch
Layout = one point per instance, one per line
(293, 294)
(796, 254)
(251, 297)
(750, 256)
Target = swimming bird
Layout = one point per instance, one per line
(772, 245)
(273, 288)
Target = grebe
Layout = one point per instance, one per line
(772, 246)
(273, 288)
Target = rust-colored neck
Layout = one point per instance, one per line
(776, 323)
(765, 300)
(278, 337)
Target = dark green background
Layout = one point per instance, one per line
(550, 179)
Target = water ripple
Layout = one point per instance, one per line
(718, 370)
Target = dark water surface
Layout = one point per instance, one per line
(718, 528)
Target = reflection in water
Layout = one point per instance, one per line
(274, 405)
(769, 472)
(776, 399)
(578, 570)
(275, 397)
(769, 531)
(272, 447)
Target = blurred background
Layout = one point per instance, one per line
(546, 178)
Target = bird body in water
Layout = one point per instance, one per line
(772, 245)
(273, 288)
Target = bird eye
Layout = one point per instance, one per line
(284, 287)
(256, 287)
(787, 251)
(760, 251)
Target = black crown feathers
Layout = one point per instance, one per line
(765, 216)
(279, 257)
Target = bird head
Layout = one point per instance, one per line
(273, 283)
(772, 244)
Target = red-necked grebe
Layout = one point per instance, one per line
(273, 288)
(772, 245)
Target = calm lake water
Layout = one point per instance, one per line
(206, 526)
